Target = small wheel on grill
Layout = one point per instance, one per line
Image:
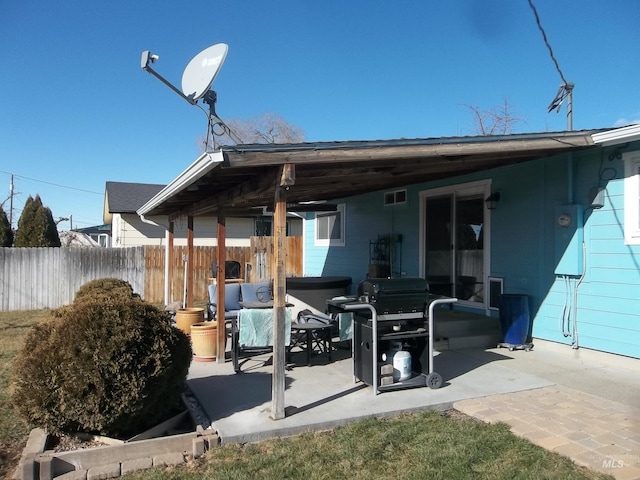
(434, 380)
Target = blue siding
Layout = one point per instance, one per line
(523, 245)
(366, 217)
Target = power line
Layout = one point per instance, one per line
(53, 184)
(546, 42)
(566, 88)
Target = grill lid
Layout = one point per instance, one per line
(395, 295)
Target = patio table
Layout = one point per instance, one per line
(315, 333)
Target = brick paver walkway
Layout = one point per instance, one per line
(597, 433)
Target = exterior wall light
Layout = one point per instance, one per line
(492, 200)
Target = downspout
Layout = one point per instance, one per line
(166, 254)
(570, 179)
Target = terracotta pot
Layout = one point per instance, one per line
(204, 338)
(185, 317)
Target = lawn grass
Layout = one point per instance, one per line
(419, 446)
(13, 431)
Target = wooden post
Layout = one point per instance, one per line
(190, 262)
(279, 292)
(220, 282)
(171, 259)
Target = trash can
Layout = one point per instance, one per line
(514, 318)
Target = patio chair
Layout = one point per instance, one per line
(231, 301)
(313, 333)
(252, 334)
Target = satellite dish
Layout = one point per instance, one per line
(197, 78)
(201, 71)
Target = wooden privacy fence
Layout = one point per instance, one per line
(36, 278)
(255, 264)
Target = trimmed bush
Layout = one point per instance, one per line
(111, 365)
(110, 287)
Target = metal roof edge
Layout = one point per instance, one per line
(351, 144)
(626, 134)
(203, 164)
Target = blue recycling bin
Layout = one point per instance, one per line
(514, 318)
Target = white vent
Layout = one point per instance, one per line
(395, 198)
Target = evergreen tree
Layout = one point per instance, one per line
(6, 234)
(36, 227)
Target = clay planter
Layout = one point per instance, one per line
(185, 317)
(204, 338)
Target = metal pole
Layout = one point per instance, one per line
(374, 340)
(432, 306)
(11, 203)
(569, 87)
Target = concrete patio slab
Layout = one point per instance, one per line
(322, 396)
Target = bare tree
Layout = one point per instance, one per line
(498, 120)
(266, 129)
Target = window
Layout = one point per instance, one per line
(264, 227)
(394, 198)
(632, 198)
(103, 240)
(330, 227)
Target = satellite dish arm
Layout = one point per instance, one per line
(210, 98)
(216, 120)
(148, 58)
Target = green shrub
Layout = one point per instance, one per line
(112, 287)
(108, 365)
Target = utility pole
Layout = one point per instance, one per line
(11, 202)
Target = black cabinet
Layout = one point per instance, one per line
(414, 336)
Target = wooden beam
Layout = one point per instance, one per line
(288, 175)
(367, 153)
(220, 290)
(190, 262)
(170, 268)
(255, 186)
(279, 301)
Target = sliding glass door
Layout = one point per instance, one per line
(454, 253)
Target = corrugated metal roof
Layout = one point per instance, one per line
(246, 176)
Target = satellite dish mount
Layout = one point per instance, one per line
(565, 91)
(197, 78)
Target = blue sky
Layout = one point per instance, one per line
(76, 109)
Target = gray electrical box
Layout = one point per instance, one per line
(568, 240)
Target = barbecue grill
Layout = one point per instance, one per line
(395, 298)
(393, 310)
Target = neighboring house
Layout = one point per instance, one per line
(76, 239)
(552, 216)
(121, 200)
(101, 234)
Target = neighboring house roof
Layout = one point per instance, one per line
(123, 197)
(94, 230)
(76, 239)
(243, 177)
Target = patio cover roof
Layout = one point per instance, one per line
(239, 178)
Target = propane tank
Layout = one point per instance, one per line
(401, 361)
(402, 366)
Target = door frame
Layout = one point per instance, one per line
(471, 188)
